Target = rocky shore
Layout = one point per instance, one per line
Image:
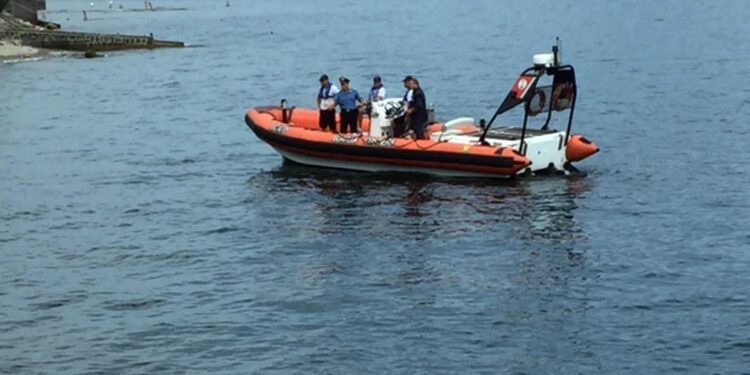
(11, 50)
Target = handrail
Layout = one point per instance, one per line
(500, 109)
(507, 103)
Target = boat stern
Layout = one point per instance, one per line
(520, 162)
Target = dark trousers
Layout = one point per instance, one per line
(399, 126)
(327, 120)
(418, 130)
(417, 123)
(349, 120)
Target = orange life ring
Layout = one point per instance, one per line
(562, 97)
(542, 101)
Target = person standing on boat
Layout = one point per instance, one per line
(349, 100)
(417, 112)
(327, 104)
(400, 124)
(377, 93)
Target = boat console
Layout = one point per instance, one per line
(382, 116)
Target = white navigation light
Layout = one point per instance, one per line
(546, 60)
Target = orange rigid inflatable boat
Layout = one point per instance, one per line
(459, 147)
(297, 138)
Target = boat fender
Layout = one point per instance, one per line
(533, 111)
(562, 97)
(457, 122)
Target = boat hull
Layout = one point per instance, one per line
(361, 153)
(375, 167)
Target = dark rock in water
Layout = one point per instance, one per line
(91, 54)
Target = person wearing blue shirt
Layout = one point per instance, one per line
(349, 101)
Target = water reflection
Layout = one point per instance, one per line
(419, 193)
(420, 244)
(406, 206)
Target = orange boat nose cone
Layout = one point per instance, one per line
(580, 148)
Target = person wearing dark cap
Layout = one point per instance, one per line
(417, 112)
(349, 101)
(377, 93)
(400, 124)
(409, 92)
(327, 104)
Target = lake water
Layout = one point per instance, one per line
(145, 229)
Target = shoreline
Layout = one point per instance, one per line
(13, 50)
(20, 40)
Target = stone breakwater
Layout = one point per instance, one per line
(74, 41)
(18, 33)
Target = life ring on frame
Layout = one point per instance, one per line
(562, 97)
(533, 111)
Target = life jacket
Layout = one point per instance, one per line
(325, 92)
(374, 92)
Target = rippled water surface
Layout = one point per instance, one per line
(145, 229)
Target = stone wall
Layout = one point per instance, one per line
(24, 9)
(84, 41)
